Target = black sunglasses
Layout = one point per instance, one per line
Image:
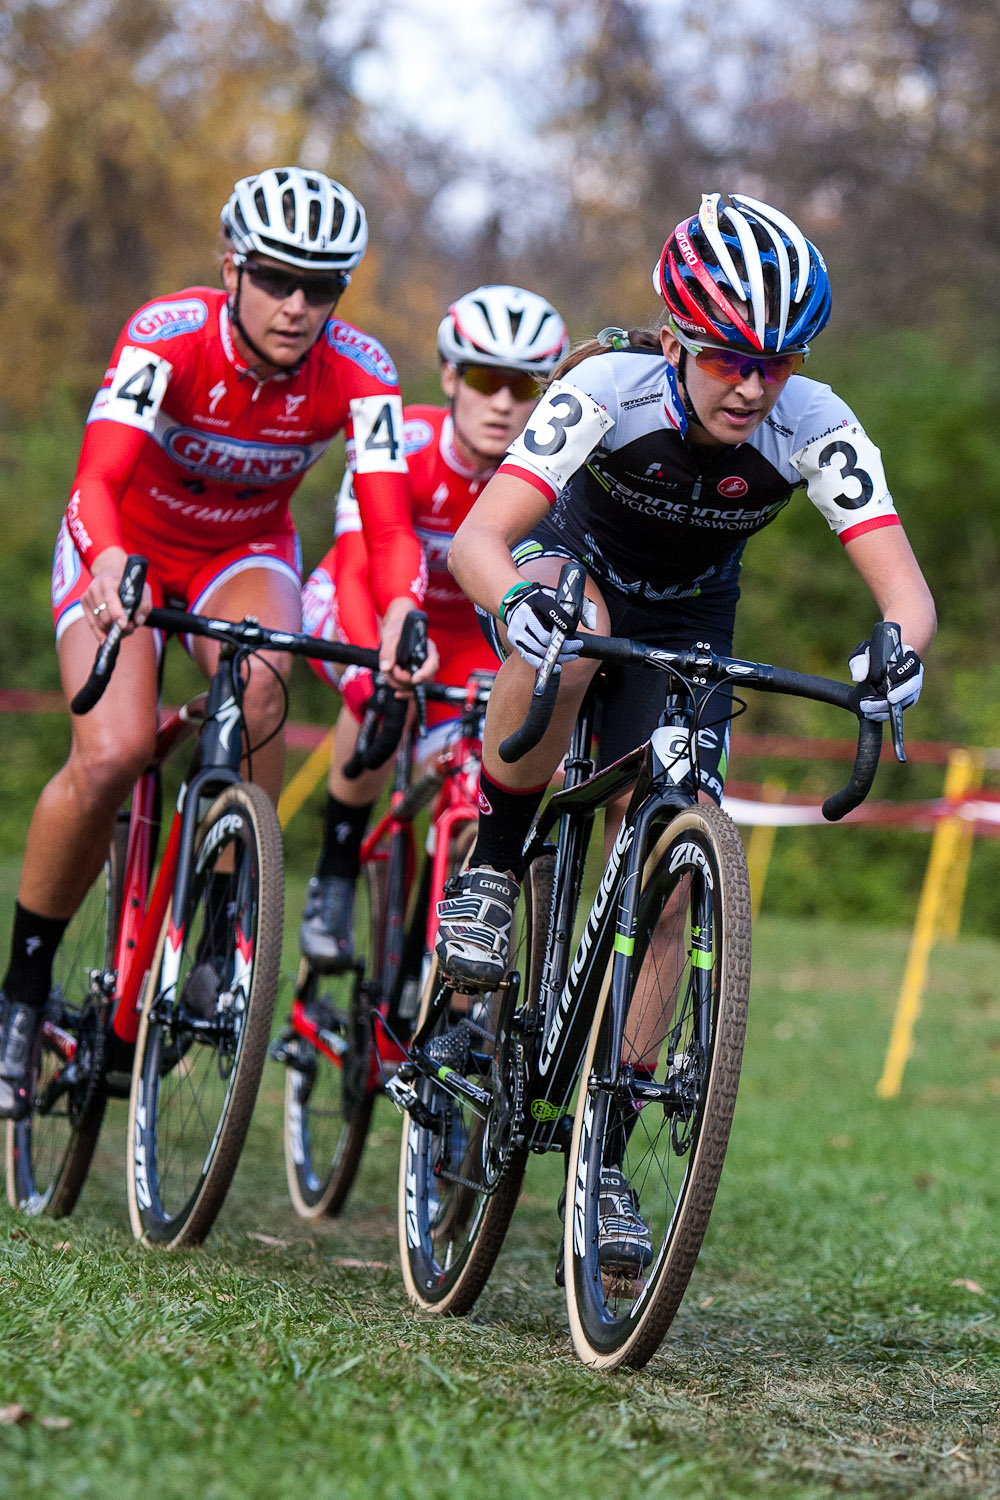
(273, 282)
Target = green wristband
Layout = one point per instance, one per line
(512, 593)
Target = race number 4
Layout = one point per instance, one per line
(378, 435)
(137, 388)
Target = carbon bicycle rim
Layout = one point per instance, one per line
(329, 1106)
(644, 1169)
(459, 1180)
(50, 1151)
(206, 1023)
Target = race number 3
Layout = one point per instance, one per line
(844, 474)
(856, 488)
(137, 389)
(565, 428)
(378, 435)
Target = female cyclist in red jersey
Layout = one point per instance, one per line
(214, 405)
(494, 344)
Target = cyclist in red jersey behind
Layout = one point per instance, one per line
(495, 344)
(214, 405)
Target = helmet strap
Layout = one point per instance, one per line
(486, 460)
(237, 322)
(686, 401)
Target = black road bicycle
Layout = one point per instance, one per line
(621, 1049)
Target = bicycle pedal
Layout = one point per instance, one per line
(281, 1052)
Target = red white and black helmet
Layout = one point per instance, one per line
(504, 326)
(301, 218)
(742, 275)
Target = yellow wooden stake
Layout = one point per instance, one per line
(309, 774)
(946, 847)
(953, 897)
(760, 847)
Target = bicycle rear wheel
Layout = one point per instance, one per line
(460, 1176)
(683, 1043)
(49, 1152)
(206, 1023)
(329, 1106)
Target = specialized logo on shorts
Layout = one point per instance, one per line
(416, 434)
(364, 351)
(733, 488)
(212, 456)
(65, 566)
(165, 320)
(317, 599)
(484, 803)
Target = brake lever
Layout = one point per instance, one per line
(886, 647)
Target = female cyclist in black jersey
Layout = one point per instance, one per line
(651, 459)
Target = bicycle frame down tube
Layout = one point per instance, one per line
(139, 935)
(550, 1085)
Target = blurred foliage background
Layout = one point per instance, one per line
(876, 123)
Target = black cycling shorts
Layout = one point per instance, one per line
(631, 699)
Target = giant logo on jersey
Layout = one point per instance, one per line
(165, 320)
(364, 351)
(416, 435)
(232, 460)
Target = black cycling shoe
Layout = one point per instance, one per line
(20, 1054)
(326, 936)
(474, 924)
(624, 1243)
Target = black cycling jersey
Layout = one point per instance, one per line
(657, 516)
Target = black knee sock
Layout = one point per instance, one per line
(33, 945)
(505, 815)
(343, 833)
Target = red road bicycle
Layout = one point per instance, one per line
(164, 988)
(347, 1031)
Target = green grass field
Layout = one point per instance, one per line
(840, 1335)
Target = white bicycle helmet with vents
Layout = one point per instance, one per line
(301, 218)
(504, 326)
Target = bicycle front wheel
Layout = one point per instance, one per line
(50, 1151)
(329, 1106)
(206, 1022)
(460, 1173)
(648, 1150)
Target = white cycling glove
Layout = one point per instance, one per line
(532, 615)
(901, 687)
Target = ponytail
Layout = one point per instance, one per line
(608, 341)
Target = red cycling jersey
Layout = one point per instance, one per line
(339, 599)
(187, 453)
